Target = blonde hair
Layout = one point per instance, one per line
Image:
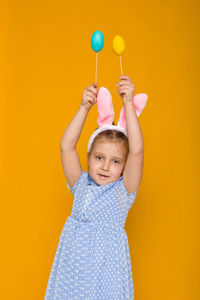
(112, 135)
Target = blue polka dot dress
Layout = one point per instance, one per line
(92, 260)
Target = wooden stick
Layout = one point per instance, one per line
(121, 64)
(96, 68)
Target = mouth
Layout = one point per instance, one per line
(103, 176)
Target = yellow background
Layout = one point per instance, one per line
(46, 62)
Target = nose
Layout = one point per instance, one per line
(105, 165)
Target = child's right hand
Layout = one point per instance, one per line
(89, 97)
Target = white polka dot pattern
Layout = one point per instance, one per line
(92, 260)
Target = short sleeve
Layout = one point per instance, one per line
(129, 197)
(78, 183)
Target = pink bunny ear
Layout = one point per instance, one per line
(139, 102)
(105, 107)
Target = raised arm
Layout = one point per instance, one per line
(69, 156)
(133, 170)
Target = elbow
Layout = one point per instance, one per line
(136, 148)
(66, 147)
(139, 150)
(139, 154)
(61, 145)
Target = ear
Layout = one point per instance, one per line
(139, 102)
(105, 107)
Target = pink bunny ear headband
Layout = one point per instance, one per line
(106, 113)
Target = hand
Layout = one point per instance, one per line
(126, 89)
(89, 97)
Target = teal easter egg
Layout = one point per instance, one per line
(97, 41)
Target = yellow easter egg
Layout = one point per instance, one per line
(118, 45)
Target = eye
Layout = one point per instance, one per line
(98, 157)
(116, 161)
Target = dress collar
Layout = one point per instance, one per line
(91, 180)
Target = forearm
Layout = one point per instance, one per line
(73, 131)
(135, 137)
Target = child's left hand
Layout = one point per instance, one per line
(126, 89)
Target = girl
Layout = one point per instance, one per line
(92, 260)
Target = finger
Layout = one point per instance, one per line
(92, 89)
(125, 77)
(89, 93)
(123, 90)
(89, 98)
(124, 87)
(123, 82)
(93, 85)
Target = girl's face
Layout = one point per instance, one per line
(106, 161)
